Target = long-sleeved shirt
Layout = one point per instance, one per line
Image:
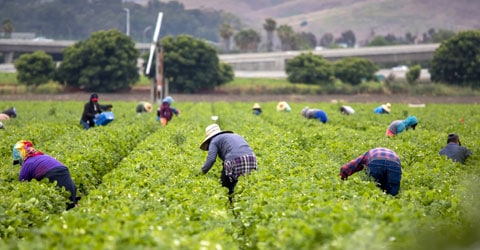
(35, 167)
(90, 110)
(228, 147)
(363, 160)
(396, 127)
(316, 114)
(456, 152)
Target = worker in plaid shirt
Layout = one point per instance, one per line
(382, 164)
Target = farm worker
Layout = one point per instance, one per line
(454, 149)
(166, 111)
(398, 126)
(37, 165)
(283, 106)
(8, 113)
(143, 107)
(315, 114)
(237, 156)
(382, 164)
(383, 109)
(91, 110)
(347, 110)
(256, 109)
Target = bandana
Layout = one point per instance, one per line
(22, 150)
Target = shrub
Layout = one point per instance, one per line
(308, 68)
(35, 69)
(413, 74)
(354, 70)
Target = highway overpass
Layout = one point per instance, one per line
(273, 61)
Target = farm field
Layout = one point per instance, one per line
(141, 188)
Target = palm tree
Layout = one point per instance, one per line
(247, 40)
(270, 25)
(7, 27)
(226, 33)
(287, 37)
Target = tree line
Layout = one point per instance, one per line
(106, 62)
(77, 20)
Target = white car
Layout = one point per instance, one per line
(400, 68)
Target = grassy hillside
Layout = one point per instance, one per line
(361, 16)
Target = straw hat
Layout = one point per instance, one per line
(211, 131)
(283, 106)
(147, 106)
(256, 106)
(387, 106)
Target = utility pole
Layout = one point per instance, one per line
(127, 28)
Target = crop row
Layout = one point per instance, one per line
(141, 188)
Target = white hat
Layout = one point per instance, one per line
(387, 107)
(283, 106)
(256, 106)
(147, 106)
(211, 131)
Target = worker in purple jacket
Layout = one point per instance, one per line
(382, 164)
(37, 165)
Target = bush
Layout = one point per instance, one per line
(105, 62)
(457, 60)
(354, 70)
(309, 68)
(35, 69)
(413, 74)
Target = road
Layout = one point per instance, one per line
(10, 68)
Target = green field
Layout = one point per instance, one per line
(140, 186)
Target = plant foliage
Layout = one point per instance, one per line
(35, 69)
(457, 60)
(105, 62)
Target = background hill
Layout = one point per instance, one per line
(364, 17)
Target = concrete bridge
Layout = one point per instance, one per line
(273, 61)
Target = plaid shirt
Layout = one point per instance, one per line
(363, 160)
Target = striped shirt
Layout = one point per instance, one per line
(365, 159)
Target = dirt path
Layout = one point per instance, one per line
(145, 96)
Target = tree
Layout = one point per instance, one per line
(192, 65)
(354, 70)
(247, 40)
(287, 37)
(270, 25)
(442, 35)
(413, 74)
(308, 68)
(7, 28)
(309, 40)
(105, 62)
(457, 60)
(348, 37)
(409, 38)
(226, 32)
(379, 41)
(35, 69)
(326, 40)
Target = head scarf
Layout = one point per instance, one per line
(168, 99)
(411, 122)
(22, 150)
